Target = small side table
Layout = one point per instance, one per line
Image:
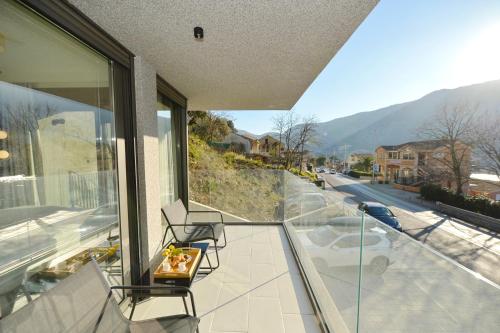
(177, 282)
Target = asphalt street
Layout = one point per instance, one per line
(474, 248)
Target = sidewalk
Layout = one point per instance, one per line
(404, 195)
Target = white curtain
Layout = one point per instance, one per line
(168, 191)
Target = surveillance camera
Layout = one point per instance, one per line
(198, 33)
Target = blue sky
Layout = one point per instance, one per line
(402, 51)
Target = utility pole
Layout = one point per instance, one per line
(345, 157)
(339, 150)
(373, 167)
(375, 157)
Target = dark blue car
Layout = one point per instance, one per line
(381, 213)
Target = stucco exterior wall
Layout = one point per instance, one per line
(148, 159)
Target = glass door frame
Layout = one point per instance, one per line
(74, 22)
(170, 96)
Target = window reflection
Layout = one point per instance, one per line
(58, 189)
(167, 167)
(168, 186)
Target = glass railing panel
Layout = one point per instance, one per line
(409, 287)
(369, 277)
(326, 234)
(41, 245)
(365, 275)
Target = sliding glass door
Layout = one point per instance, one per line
(168, 155)
(169, 189)
(58, 181)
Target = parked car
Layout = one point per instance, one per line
(332, 171)
(381, 213)
(330, 247)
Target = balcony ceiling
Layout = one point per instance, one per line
(255, 54)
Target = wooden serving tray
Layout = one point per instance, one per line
(72, 264)
(195, 254)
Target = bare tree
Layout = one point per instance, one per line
(455, 127)
(290, 121)
(487, 139)
(280, 127)
(307, 131)
(294, 133)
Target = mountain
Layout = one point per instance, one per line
(399, 123)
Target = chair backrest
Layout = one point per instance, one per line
(175, 213)
(73, 305)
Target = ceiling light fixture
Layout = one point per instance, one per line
(198, 33)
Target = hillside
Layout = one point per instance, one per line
(232, 183)
(400, 123)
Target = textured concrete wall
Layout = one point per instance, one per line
(148, 159)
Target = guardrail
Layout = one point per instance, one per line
(477, 219)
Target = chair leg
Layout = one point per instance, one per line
(185, 305)
(210, 267)
(209, 263)
(216, 254)
(134, 302)
(225, 240)
(26, 293)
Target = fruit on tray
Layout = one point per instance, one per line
(174, 255)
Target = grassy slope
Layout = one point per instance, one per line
(232, 183)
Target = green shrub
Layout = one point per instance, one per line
(364, 173)
(353, 174)
(312, 176)
(244, 162)
(477, 204)
(230, 157)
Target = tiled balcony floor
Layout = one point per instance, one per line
(256, 289)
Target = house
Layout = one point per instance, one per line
(270, 146)
(417, 161)
(242, 142)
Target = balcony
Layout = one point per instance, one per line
(310, 259)
(258, 287)
(362, 275)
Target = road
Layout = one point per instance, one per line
(477, 250)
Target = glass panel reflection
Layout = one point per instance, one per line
(58, 189)
(168, 185)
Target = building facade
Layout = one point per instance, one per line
(421, 161)
(270, 146)
(243, 143)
